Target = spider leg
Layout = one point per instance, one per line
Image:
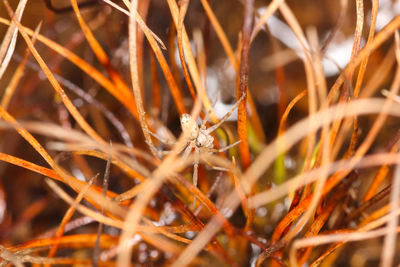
(206, 117)
(195, 171)
(215, 126)
(187, 150)
(207, 114)
(196, 165)
(212, 166)
(222, 149)
(159, 152)
(159, 138)
(225, 148)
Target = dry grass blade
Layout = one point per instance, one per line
(318, 223)
(77, 184)
(72, 109)
(191, 60)
(180, 27)
(164, 66)
(126, 100)
(5, 101)
(379, 177)
(272, 7)
(382, 36)
(389, 245)
(63, 176)
(221, 35)
(363, 66)
(10, 38)
(9, 256)
(311, 88)
(255, 118)
(135, 79)
(243, 84)
(67, 217)
(100, 53)
(85, 96)
(139, 20)
(111, 221)
(294, 134)
(380, 75)
(323, 148)
(323, 180)
(311, 176)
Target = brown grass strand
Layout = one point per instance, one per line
(312, 95)
(243, 83)
(363, 65)
(324, 148)
(176, 94)
(389, 243)
(379, 178)
(71, 108)
(265, 158)
(12, 86)
(380, 75)
(271, 9)
(67, 217)
(221, 34)
(100, 53)
(84, 66)
(319, 222)
(173, 6)
(156, 93)
(254, 118)
(10, 38)
(179, 30)
(135, 79)
(382, 36)
(244, 148)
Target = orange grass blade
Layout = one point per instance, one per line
(176, 94)
(67, 102)
(69, 241)
(149, 228)
(244, 148)
(179, 30)
(221, 34)
(319, 222)
(190, 60)
(382, 72)
(268, 155)
(100, 53)
(67, 217)
(379, 177)
(254, 118)
(363, 65)
(155, 85)
(382, 36)
(10, 38)
(70, 180)
(48, 173)
(243, 84)
(12, 86)
(127, 101)
(133, 64)
(271, 9)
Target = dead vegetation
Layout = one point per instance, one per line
(91, 98)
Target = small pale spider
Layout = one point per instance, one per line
(200, 138)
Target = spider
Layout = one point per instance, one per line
(199, 138)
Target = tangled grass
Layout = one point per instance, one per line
(89, 85)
